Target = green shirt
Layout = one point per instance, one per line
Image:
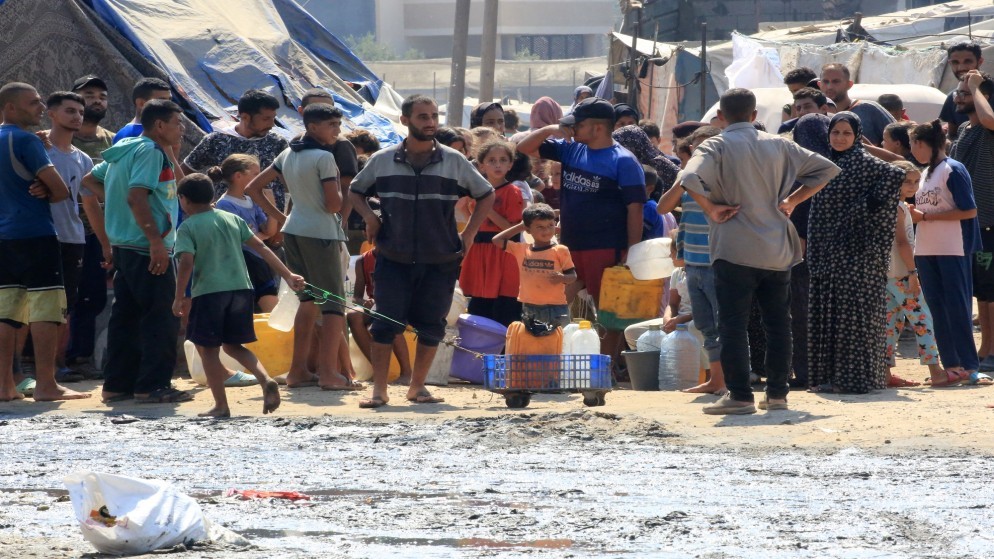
(215, 239)
(137, 163)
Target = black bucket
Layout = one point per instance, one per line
(643, 369)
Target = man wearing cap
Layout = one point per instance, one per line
(92, 139)
(602, 193)
(252, 135)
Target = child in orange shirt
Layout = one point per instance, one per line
(545, 267)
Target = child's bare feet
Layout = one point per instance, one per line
(217, 412)
(56, 393)
(270, 397)
(10, 394)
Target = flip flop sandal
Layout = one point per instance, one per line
(372, 403)
(27, 387)
(980, 379)
(425, 398)
(241, 378)
(165, 396)
(118, 398)
(952, 379)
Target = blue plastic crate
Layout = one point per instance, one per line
(547, 373)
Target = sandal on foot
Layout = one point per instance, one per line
(26, 387)
(165, 396)
(65, 374)
(372, 403)
(241, 378)
(117, 398)
(425, 397)
(953, 378)
(980, 379)
(894, 381)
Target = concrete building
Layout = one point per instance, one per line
(680, 20)
(548, 29)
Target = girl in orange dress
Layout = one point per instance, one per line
(490, 275)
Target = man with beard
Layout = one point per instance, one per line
(419, 249)
(31, 290)
(252, 135)
(92, 139)
(65, 110)
(835, 83)
(974, 148)
(962, 58)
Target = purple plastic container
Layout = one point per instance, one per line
(478, 334)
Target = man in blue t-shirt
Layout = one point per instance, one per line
(601, 197)
(31, 289)
(144, 91)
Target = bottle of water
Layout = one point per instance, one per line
(285, 310)
(651, 339)
(679, 360)
(568, 332)
(584, 342)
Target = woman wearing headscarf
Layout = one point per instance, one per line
(545, 112)
(850, 233)
(635, 140)
(490, 115)
(579, 94)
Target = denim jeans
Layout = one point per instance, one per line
(141, 336)
(704, 307)
(737, 287)
(90, 302)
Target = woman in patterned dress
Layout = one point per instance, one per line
(850, 233)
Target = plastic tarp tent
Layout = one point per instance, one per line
(215, 50)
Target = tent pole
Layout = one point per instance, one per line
(488, 51)
(652, 72)
(457, 83)
(632, 101)
(704, 67)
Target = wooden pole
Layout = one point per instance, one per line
(457, 83)
(488, 51)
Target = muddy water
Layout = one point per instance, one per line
(581, 484)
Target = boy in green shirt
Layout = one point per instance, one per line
(209, 248)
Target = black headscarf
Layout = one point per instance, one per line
(856, 150)
(811, 133)
(476, 117)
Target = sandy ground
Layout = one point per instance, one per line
(895, 474)
(920, 417)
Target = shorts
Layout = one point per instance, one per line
(556, 315)
(415, 294)
(983, 267)
(223, 317)
(264, 281)
(320, 262)
(72, 269)
(31, 286)
(590, 266)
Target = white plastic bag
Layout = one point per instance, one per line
(149, 514)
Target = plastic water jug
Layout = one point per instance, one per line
(568, 332)
(651, 339)
(650, 260)
(585, 342)
(283, 315)
(679, 360)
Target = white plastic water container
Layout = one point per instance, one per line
(196, 367)
(285, 311)
(679, 360)
(458, 307)
(651, 339)
(650, 260)
(568, 332)
(584, 341)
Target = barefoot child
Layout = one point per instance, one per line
(904, 298)
(545, 267)
(947, 236)
(237, 171)
(208, 247)
(489, 276)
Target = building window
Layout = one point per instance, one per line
(550, 47)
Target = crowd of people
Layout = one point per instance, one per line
(803, 255)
